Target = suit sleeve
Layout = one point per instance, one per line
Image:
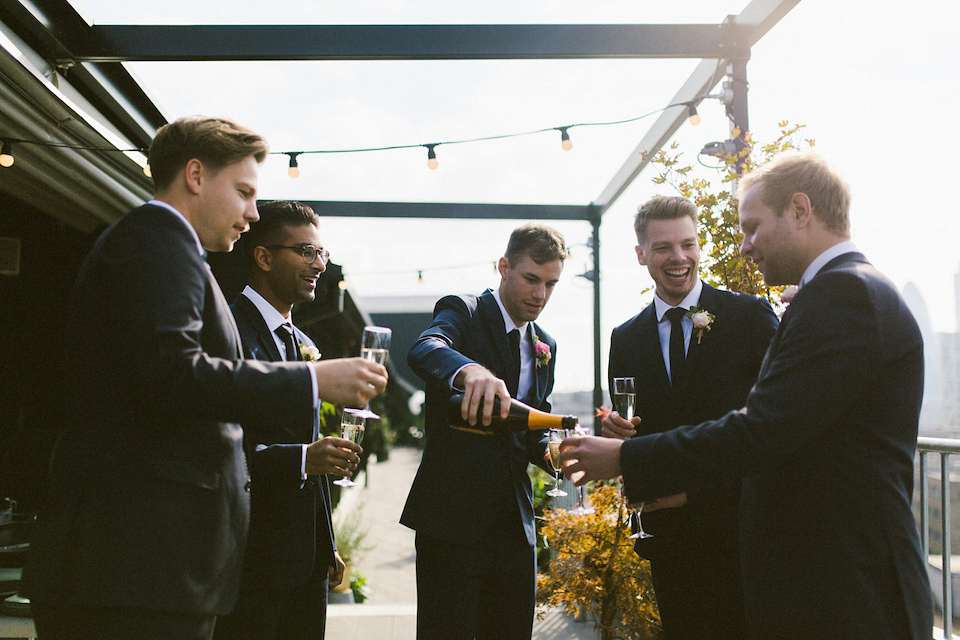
(825, 355)
(435, 356)
(167, 307)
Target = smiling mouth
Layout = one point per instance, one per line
(678, 274)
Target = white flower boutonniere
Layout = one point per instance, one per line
(308, 353)
(541, 350)
(702, 321)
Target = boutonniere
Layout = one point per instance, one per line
(702, 321)
(308, 353)
(541, 350)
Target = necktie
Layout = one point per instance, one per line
(677, 356)
(514, 337)
(285, 331)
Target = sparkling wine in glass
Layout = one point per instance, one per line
(375, 347)
(581, 509)
(553, 447)
(625, 396)
(351, 428)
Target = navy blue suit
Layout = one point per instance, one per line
(694, 552)
(147, 507)
(825, 447)
(472, 494)
(290, 545)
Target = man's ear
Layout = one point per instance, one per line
(263, 258)
(640, 257)
(801, 209)
(502, 266)
(194, 173)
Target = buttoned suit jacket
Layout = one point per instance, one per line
(464, 477)
(720, 368)
(147, 506)
(825, 447)
(290, 520)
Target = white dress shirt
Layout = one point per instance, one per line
(663, 324)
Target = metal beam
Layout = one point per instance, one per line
(113, 43)
(448, 210)
(746, 29)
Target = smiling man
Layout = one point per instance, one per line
(825, 442)
(291, 556)
(694, 556)
(471, 503)
(143, 530)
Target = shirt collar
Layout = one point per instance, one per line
(692, 299)
(271, 316)
(193, 232)
(820, 261)
(508, 322)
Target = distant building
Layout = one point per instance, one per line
(931, 418)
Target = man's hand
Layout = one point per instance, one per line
(588, 458)
(349, 381)
(667, 502)
(335, 574)
(616, 427)
(334, 456)
(480, 385)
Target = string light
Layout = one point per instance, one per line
(294, 170)
(6, 154)
(432, 162)
(565, 143)
(694, 116)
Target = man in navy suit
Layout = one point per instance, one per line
(694, 549)
(142, 533)
(290, 553)
(471, 503)
(825, 442)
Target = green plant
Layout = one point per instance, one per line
(721, 263)
(595, 568)
(350, 533)
(358, 584)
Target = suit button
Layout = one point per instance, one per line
(246, 487)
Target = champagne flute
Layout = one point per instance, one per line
(581, 509)
(625, 398)
(351, 428)
(553, 447)
(374, 346)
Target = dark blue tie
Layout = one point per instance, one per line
(285, 331)
(677, 357)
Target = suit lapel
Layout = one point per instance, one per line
(700, 352)
(264, 337)
(497, 332)
(650, 350)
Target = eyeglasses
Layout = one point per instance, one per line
(308, 252)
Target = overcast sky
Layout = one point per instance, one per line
(875, 83)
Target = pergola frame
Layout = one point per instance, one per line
(90, 59)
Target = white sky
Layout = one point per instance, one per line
(876, 84)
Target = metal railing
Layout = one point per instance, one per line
(944, 447)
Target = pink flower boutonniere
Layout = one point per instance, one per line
(541, 350)
(308, 353)
(702, 321)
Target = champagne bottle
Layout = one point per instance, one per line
(520, 418)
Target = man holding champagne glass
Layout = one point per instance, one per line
(693, 549)
(471, 503)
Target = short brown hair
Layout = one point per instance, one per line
(216, 142)
(275, 217)
(542, 243)
(794, 172)
(662, 208)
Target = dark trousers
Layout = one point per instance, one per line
(699, 595)
(69, 622)
(297, 613)
(484, 591)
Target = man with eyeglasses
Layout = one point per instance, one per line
(291, 554)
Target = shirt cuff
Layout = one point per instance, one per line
(303, 462)
(314, 386)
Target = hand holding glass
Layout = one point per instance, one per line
(553, 447)
(581, 509)
(625, 397)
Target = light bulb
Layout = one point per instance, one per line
(565, 142)
(146, 171)
(432, 162)
(694, 116)
(6, 155)
(294, 170)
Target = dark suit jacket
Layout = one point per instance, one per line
(290, 523)
(147, 506)
(825, 445)
(718, 374)
(464, 478)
